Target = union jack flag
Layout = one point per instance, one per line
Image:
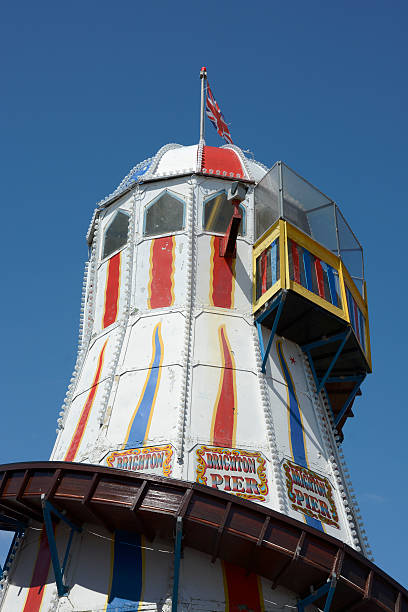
(216, 117)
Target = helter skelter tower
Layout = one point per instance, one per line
(198, 464)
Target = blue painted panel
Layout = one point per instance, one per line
(332, 283)
(127, 579)
(308, 270)
(274, 253)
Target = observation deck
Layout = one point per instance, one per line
(309, 284)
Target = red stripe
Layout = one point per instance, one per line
(222, 277)
(295, 260)
(41, 568)
(319, 276)
(161, 272)
(224, 417)
(224, 160)
(83, 419)
(112, 291)
(242, 589)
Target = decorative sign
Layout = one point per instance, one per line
(229, 469)
(149, 459)
(310, 493)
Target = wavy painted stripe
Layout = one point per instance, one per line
(161, 275)
(295, 423)
(139, 425)
(127, 572)
(40, 574)
(112, 291)
(222, 277)
(242, 591)
(224, 419)
(83, 419)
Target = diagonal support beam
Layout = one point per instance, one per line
(323, 341)
(328, 588)
(320, 384)
(48, 508)
(349, 400)
(276, 304)
(333, 361)
(177, 558)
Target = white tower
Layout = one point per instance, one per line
(224, 337)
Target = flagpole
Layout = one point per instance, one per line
(203, 77)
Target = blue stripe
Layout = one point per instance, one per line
(138, 431)
(296, 429)
(127, 579)
(274, 250)
(308, 271)
(332, 284)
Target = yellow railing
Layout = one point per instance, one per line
(287, 258)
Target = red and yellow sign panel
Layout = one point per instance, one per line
(149, 459)
(310, 493)
(237, 471)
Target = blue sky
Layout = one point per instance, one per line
(91, 88)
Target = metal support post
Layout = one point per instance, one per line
(48, 508)
(330, 594)
(177, 557)
(203, 77)
(328, 588)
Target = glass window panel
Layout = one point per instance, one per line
(323, 227)
(218, 213)
(164, 216)
(308, 209)
(350, 249)
(267, 202)
(300, 193)
(116, 234)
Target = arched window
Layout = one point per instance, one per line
(165, 215)
(218, 212)
(115, 234)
